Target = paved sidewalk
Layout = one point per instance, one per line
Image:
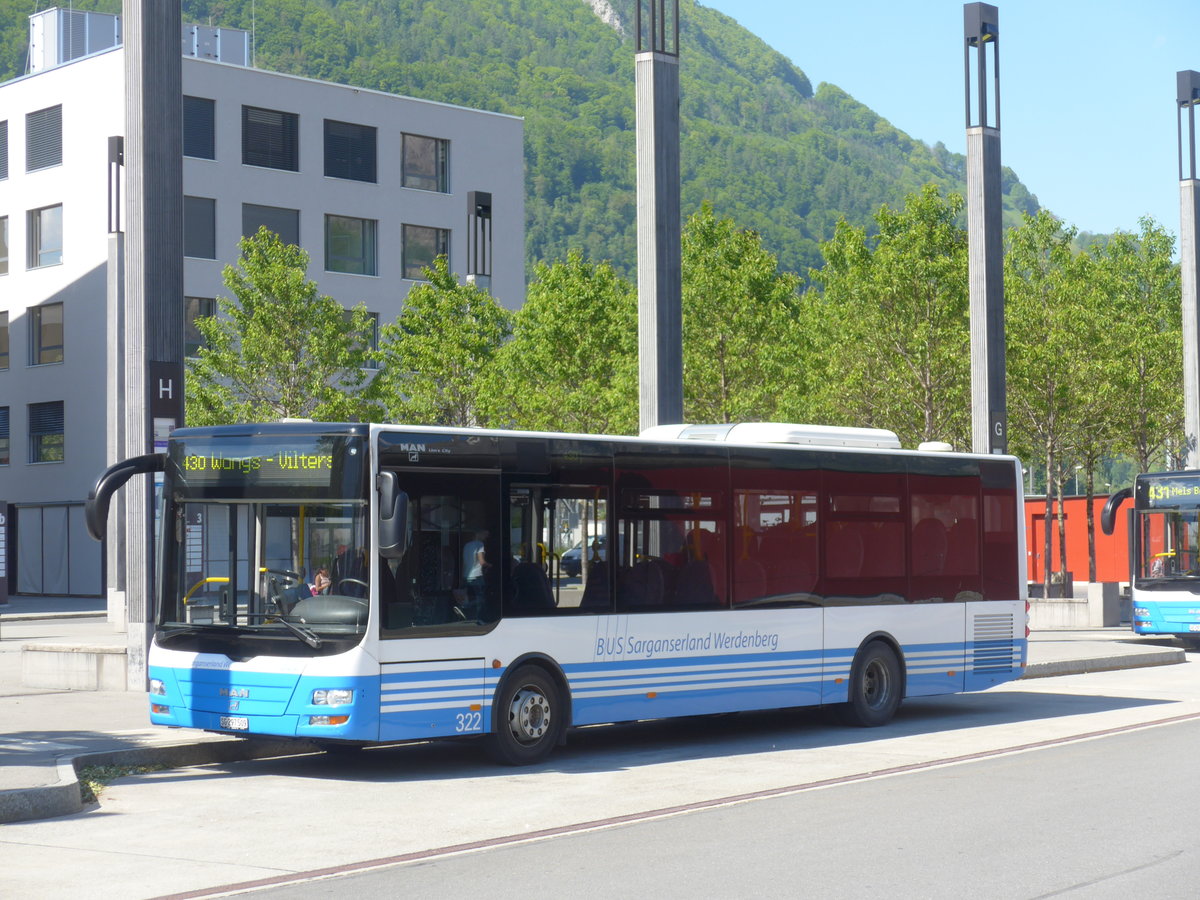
(46, 736)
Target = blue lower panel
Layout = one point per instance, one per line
(657, 688)
(425, 700)
(263, 703)
(1162, 618)
(691, 703)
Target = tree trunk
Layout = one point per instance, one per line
(1062, 538)
(1048, 517)
(1091, 526)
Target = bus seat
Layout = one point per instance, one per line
(749, 581)
(694, 586)
(929, 546)
(531, 589)
(642, 585)
(845, 554)
(962, 548)
(595, 591)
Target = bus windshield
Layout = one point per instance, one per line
(1168, 544)
(262, 541)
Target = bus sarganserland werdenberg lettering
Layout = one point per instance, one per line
(1164, 552)
(364, 583)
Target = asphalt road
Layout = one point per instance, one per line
(276, 821)
(1065, 821)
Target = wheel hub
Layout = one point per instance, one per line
(529, 716)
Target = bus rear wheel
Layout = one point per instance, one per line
(875, 687)
(528, 718)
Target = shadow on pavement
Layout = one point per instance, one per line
(609, 748)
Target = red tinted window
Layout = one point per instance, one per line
(944, 544)
(865, 534)
(1001, 567)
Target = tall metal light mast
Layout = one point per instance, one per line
(660, 302)
(146, 355)
(1187, 97)
(989, 410)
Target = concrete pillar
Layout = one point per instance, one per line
(660, 301)
(989, 405)
(1188, 96)
(152, 350)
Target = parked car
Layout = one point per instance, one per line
(571, 562)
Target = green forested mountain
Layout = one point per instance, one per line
(758, 142)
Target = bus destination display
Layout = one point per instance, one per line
(1173, 492)
(316, 466)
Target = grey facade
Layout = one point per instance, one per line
(369, 184)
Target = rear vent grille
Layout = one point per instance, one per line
(994, 648)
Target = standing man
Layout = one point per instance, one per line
(474, 564)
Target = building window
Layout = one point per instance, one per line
(3, 245)
(426, 163)
(193, 309)
(46, 334)
(46, 436)
(200, 227)
(284, 222)
(349, 151)
(199, 128)
(350, 245)
(3, 340)
(270, 138)
(44, 229)
(421, 247)
(4, 453)
(3, 150)
(43, 139)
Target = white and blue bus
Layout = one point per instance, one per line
(1164, 552)
(746, 567)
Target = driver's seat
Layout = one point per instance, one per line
(286, 598)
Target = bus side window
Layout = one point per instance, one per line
(1000, 576)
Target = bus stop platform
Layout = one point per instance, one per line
(52, 739)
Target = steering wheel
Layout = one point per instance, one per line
(286, 573)
(358, 581)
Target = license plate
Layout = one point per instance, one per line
(235, 723)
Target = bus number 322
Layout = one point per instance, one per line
(472, 721)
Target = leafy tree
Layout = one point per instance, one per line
(889, 333)
(436, 355)
(739, 322)
(1048, 329)
(572, 362)
(1140, 283)
(278, 348)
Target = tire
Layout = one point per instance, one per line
(527, 718)
(1191, 643)
(875, 687)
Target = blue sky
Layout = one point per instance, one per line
(1087, 89)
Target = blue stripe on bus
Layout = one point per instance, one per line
(403, 704)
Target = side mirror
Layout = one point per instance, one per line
(1108, 516)
(393, 516)
(95, 511)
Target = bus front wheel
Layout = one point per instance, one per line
(528, 718)
(875, 687)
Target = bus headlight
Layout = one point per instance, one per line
(1139, 611)
(157, 687)
(328, 720)
(332, 697)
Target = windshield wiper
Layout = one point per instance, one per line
(308, 636)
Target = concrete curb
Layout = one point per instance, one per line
(66, 798)
(1164, 657)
